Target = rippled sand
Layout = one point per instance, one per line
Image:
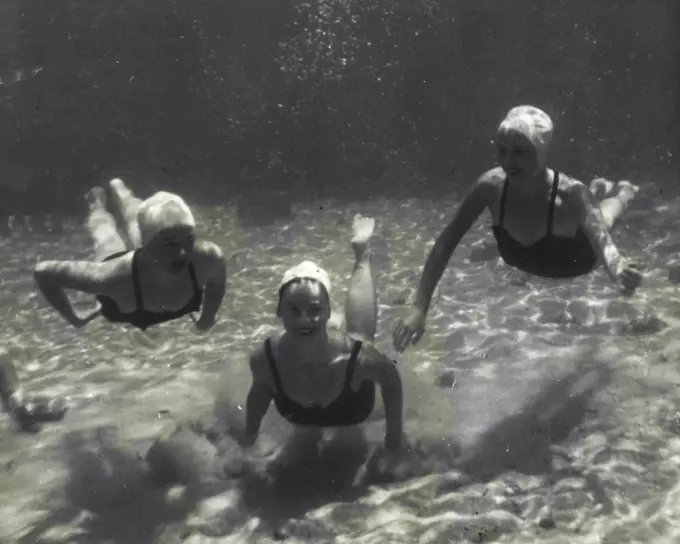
(562, 426)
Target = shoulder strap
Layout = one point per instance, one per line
(553, 197)
(194, 278)
(504, 196)
(352, 363)
(139, 301)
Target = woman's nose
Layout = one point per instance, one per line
(309, 318)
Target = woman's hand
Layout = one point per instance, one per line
(629, 276)
(394, 465)
(409, 330)
(203, 325)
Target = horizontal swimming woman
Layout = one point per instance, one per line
(544, 222)
(154, 272)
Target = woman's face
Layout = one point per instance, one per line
(172, 248)
(517, 156)
(304, 308)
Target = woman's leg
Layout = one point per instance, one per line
(102, 226)
(361, 305)
(614, 198)
(128, 205)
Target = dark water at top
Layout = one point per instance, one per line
(336, 97)
(278, 121)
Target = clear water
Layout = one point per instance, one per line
(562, 426)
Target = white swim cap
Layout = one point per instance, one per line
(534, 124)
(306, 270)
(162, 211)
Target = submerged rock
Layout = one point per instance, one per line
(646, 324)
(674, 274)
(182, 458)
(447, 380)
(485, 251)
(547, 524)
(303, 529)
(196, 452)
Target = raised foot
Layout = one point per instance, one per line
(96, 198)
(119, 190)
(362, 230)
(117, 184)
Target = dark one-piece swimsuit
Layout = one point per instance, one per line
(142, 318)
(349, 408)
(552, 256)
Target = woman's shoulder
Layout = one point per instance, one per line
(569, 186)
(490, 183)
(343, 345)
(259, 353)
(208, 259)
(367, 351)
(494, 176)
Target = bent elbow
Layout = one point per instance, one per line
(44, 276)
(41, 273)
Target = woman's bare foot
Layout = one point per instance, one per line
(96, 199)
(126, 206)
(362, 232)
(119, 190)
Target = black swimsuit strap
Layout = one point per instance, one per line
(551, 206)
(269, 354)
(135, 281)
(504, 196)
(553, 197)
(194, 278)
(349, 373)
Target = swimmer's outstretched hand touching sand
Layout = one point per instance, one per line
(153, 272)
(544, 222)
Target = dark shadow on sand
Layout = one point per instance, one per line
(525, 441)
(528, 441)
(126, 506)
(112, 485)
(306, 475)
(303, 474)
